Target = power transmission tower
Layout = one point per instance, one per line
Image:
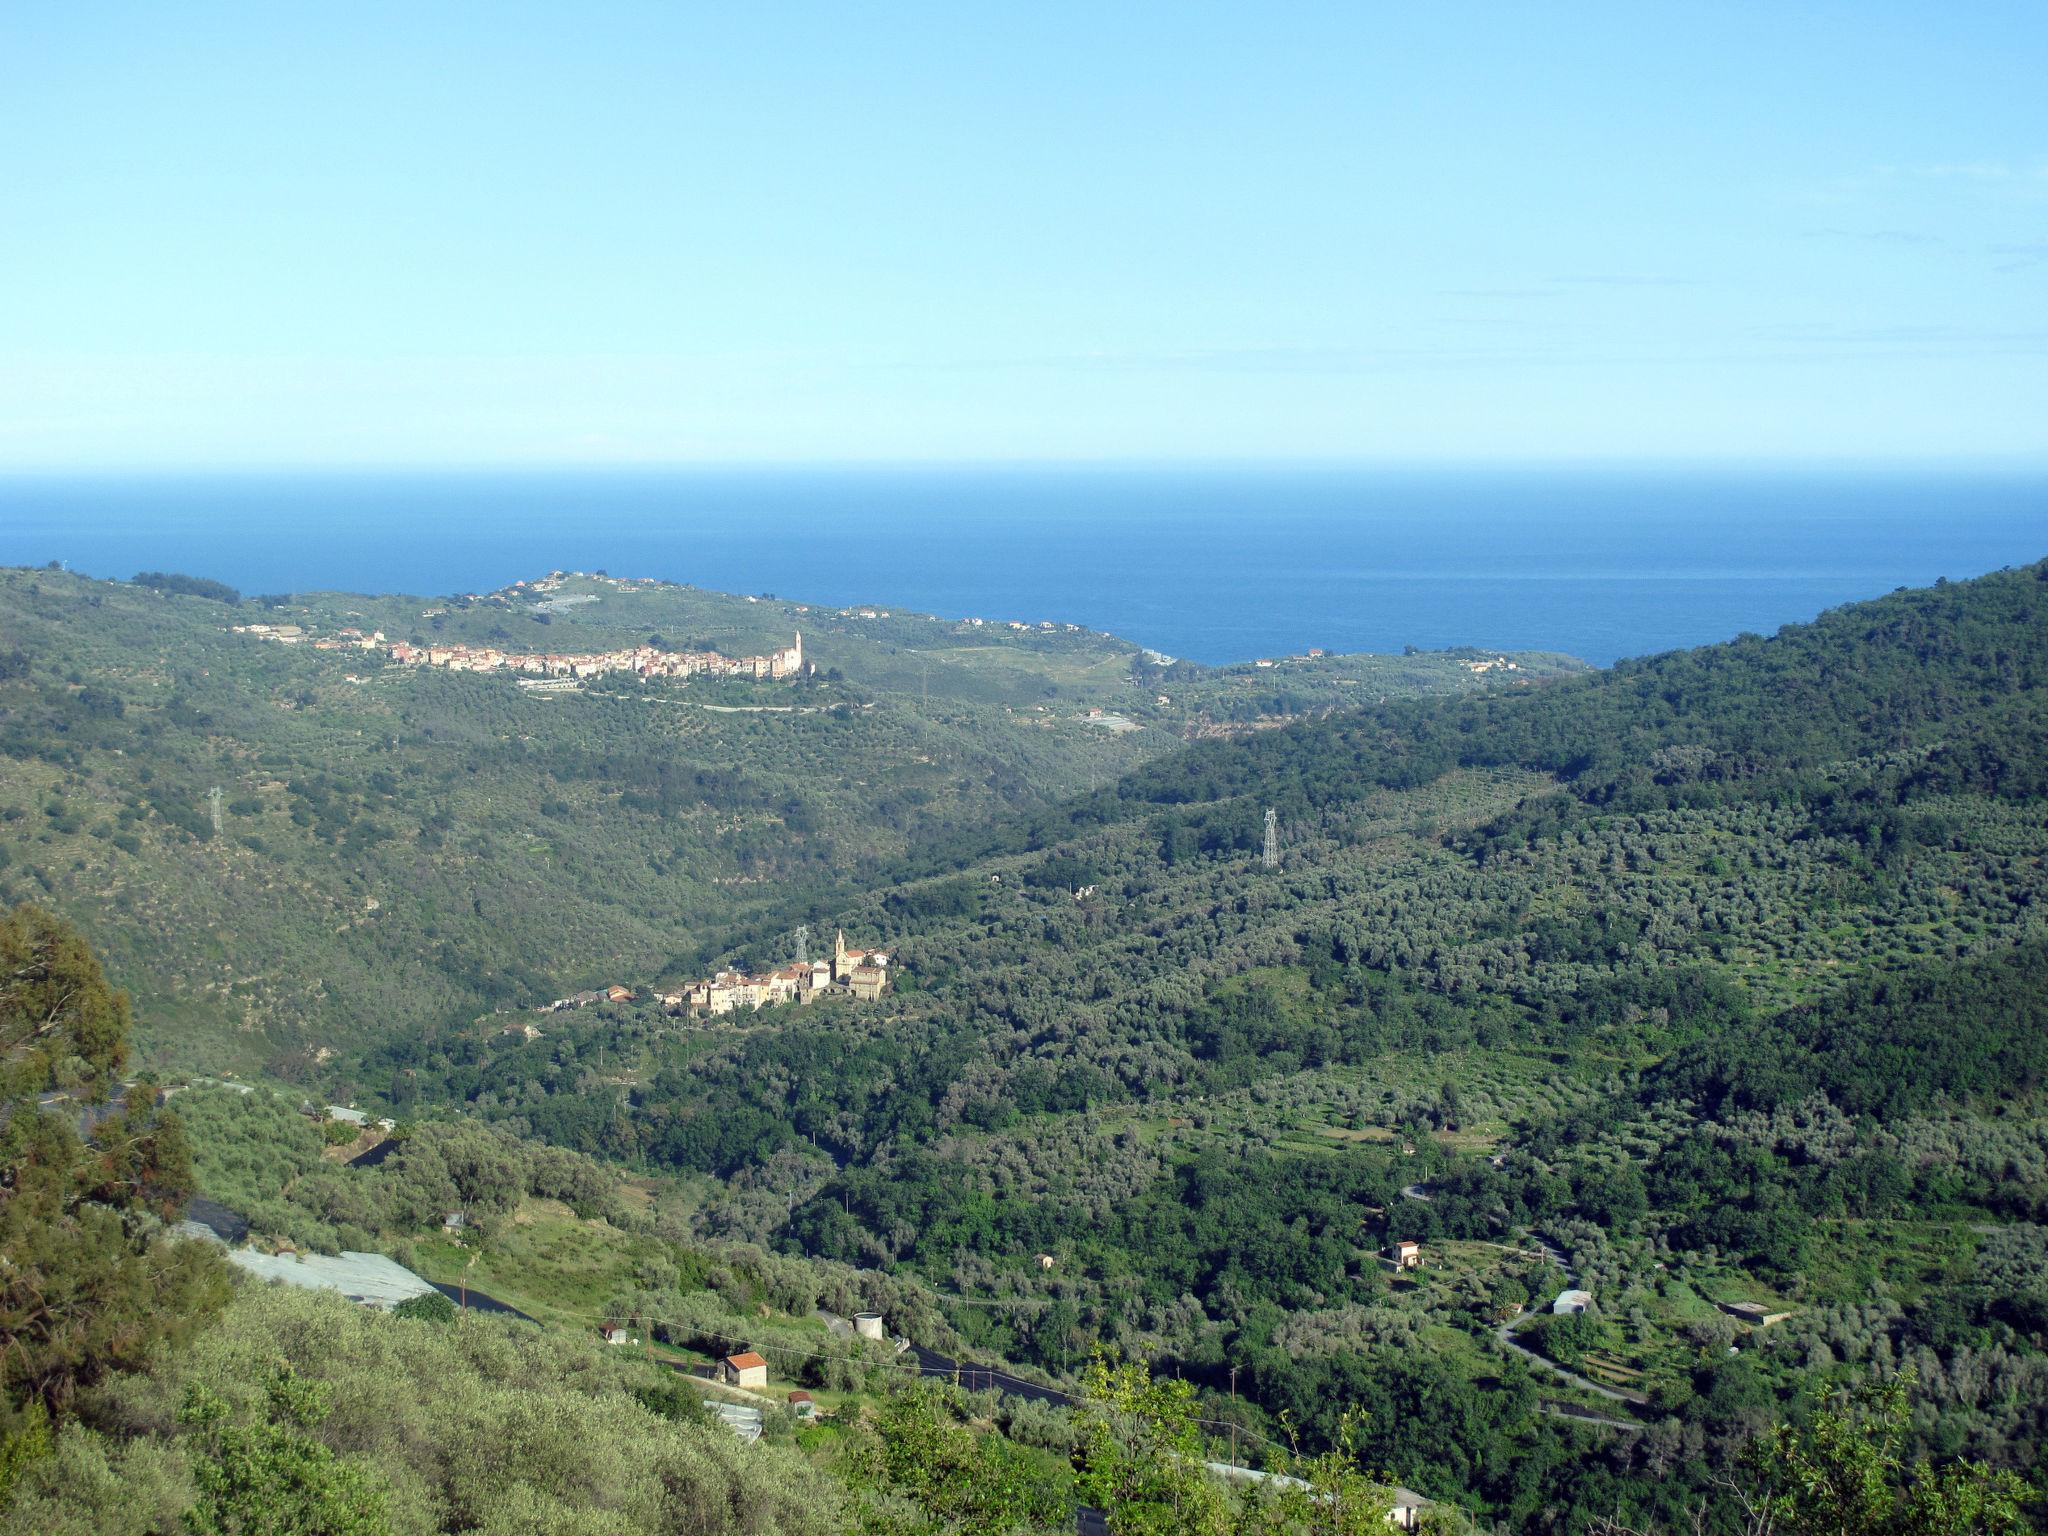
(1271, 857)
(213, 796)
(803, 944)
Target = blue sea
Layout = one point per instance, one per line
(1215, 564)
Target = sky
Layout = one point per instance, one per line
(505, 234)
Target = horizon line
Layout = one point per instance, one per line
(2035, 462)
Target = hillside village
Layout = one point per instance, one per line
(641, 660)
(862, 974)
(858, 973)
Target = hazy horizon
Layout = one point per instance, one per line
(1218, 565)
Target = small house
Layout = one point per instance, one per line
(1406, 1255)
(1571, 1302)
(616, 994)
(1407, 1509)
(803, 1405)
(615, 1335)
(744, 1370)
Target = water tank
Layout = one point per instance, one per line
(868, 1324)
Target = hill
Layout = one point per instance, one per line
(1708, 985)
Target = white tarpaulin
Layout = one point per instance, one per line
(365, 1277)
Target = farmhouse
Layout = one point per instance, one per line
(744, 1370)
(1405, 1255)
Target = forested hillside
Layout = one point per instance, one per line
(143, 1391)
(1709, 986)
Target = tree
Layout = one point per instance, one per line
(969, 1483)
(61, 1025)
(272, 1477)
(1142, 1456)
(1844, 1474)
(1334, 1497)
(427, 1307)
(92, 1281)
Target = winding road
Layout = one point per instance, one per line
(1505, 1333)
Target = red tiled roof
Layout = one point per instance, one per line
(745, 1362)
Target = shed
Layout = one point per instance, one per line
(1569, 1302)
(1755, 1313)
(803, 1405)
(745, 1370)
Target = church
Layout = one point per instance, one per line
(863, 972)
(789, 661)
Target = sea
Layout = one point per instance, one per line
(1215, 564)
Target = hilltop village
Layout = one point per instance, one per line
(641, 660)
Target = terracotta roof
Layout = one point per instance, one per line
(745, 1362)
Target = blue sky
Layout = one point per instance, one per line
(495, 233)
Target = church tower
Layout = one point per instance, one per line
(839, 955)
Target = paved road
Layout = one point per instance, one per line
(480, 1301)
(1507, 1342)
(984, 1378)
(1587, 1416)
